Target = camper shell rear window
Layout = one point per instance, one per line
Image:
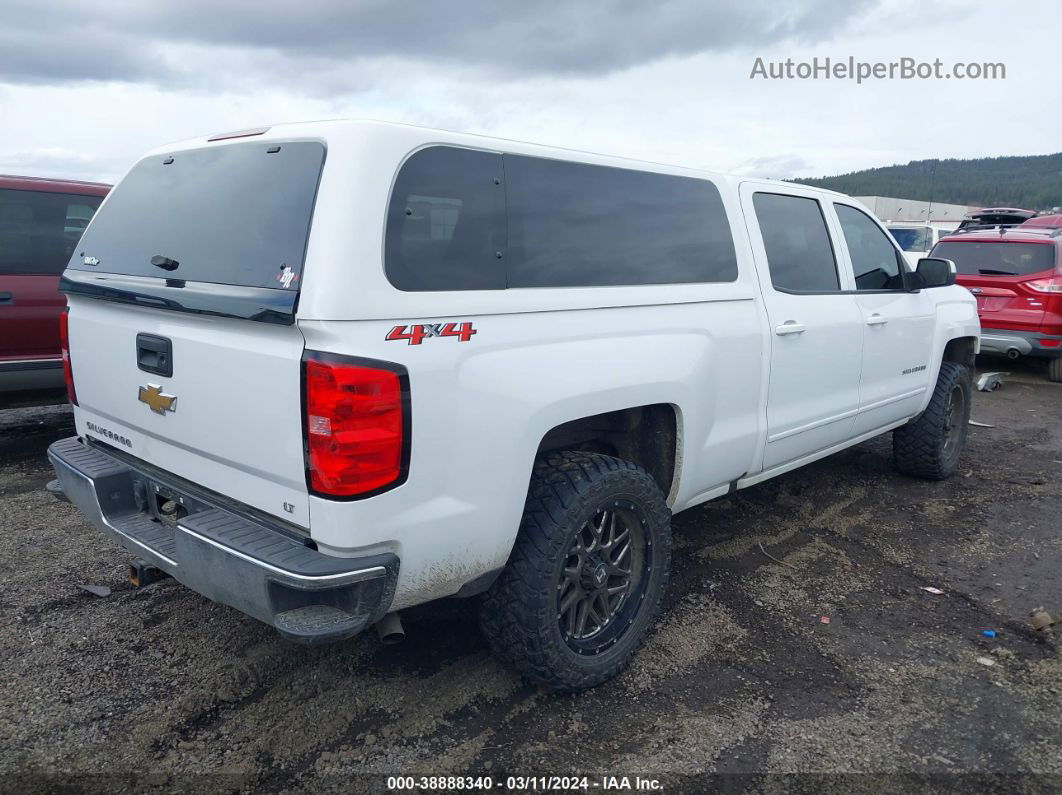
(237, 214)
(219, 231)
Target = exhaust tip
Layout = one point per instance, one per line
(1013, 353)
(389, 628)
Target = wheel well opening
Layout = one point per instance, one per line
(644, 435)
(961, 351)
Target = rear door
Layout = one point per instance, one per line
(38, 233)
(182, 338)
(816, 328)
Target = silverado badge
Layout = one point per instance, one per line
(157, 400)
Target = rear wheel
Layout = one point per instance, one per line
(586, 575)
(1054, 370)
(929, 446)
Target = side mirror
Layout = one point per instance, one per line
(934, 272)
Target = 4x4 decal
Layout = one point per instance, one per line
(418, 333)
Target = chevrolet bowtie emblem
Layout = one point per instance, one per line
(156, 399)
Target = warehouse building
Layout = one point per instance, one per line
(945, 216)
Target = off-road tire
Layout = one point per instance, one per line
(1054, 370)
(929, 446)
(520, 616)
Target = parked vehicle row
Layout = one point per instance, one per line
(1008, 258)
(1015, 273)
(324, 389)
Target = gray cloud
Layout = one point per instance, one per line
(64, 41)
(773, 166)
(40, 57)
(61, 163)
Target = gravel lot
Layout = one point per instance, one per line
(161, 689)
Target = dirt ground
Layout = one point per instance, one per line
(742, 687)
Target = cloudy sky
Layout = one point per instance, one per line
(86, 87)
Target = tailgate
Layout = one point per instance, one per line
(234, 423)
(1002, 303)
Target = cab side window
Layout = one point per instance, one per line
(875, 260)
(799, 253)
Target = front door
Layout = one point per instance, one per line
(816, 339)
(898, 324)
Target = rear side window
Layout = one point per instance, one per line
(39, 231)
(579, 225)
(875, 260)
(237, 214)
(1001, 259)
(446, 222)
(799, 254)
(467, 220)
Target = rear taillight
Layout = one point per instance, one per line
(356, 425)
(1052, 285)
(64, 346)
(1050, 290)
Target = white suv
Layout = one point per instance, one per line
(916, 239)
(324, 372)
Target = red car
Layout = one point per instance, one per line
(1016, 274)
(1046, 221)
(41, 221)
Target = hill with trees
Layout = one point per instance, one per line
(1033, 181)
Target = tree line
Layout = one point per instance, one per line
(1033, 182)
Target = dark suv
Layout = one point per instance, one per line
(41, 221)
(1016, 274)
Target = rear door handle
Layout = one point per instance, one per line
(789, 327)
(7, 298)
(877, 320)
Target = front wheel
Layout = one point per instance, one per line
(587, 574)
(929, 445)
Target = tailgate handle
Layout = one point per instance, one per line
(154, 354)
(7, 298)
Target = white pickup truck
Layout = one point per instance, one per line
(324, 372)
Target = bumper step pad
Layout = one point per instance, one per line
(316, 620)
